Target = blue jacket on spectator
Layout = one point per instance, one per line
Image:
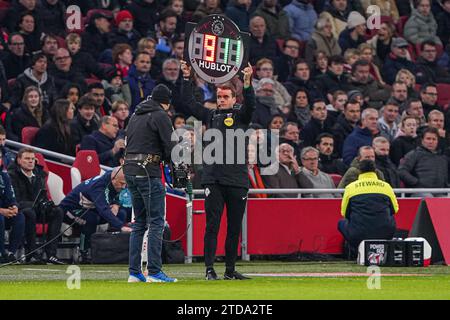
(102, 144)
(7, 197)
(141, 86)
(7, 156)
(347, 42)
(302, 18)
(357, 139)
(97, 193)
(393, 64)
(239, 14)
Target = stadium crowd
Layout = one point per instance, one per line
(334, 91)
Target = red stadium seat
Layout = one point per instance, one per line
(41, 161)
(336, 178)
(28, 134)
(11, 83)
(443, 90)
(400, 26)
(86, 166)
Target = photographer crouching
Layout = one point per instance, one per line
(29, 183)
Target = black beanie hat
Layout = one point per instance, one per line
(162, 94)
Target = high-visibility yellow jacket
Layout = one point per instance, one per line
(369, 204)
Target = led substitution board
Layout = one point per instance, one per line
(216, 49)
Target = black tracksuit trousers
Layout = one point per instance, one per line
(235, 199)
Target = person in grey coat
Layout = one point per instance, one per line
(425, 167)
(421, 25)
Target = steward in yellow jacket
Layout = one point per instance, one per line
(368, 206)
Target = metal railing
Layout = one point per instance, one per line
(65, 159)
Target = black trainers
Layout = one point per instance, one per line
(234, 276)
(211, 275)
(8, 258)
(85, 259)
(34, 259)
(54, 260)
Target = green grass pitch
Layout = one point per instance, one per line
(109, 282)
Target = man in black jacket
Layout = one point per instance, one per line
(224, 183)
(383, 163)
(335, 78)
(64, 72)
(125, 33)
(148, 142)
(428, 69)
(28, 181)
(301, 78)
(14, 59)
(425, 167)
(328, 162)
(84, 122)
(95, 37)
(345, 124)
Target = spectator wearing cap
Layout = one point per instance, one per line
(114, 86)
(63, 71)
(14, 58)
(302, 18)
(397, 60)
(83, 62)
(421, 25)
(124, 31)
(276, 18)
(104, 141)
(335, 78)
(318, 123)
(443, 22)
(94, 39)
(37, 76)
(261, 44)
(145, 13)
(85, 122)
(354, 34)
(428, 69)
(266, 106)
(140, 83)
(375, 92)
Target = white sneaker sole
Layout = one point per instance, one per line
(132, 279)
(150, 279)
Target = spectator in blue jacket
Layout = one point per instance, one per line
(93, 202)
(140, 83)
(302, 18)
(6, 155)
(239, 12)
(104, 142)
(397, 60)
(9, 218)
(361, 135)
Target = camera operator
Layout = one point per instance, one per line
(224, 183)
(29, 183)
(148, 137)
